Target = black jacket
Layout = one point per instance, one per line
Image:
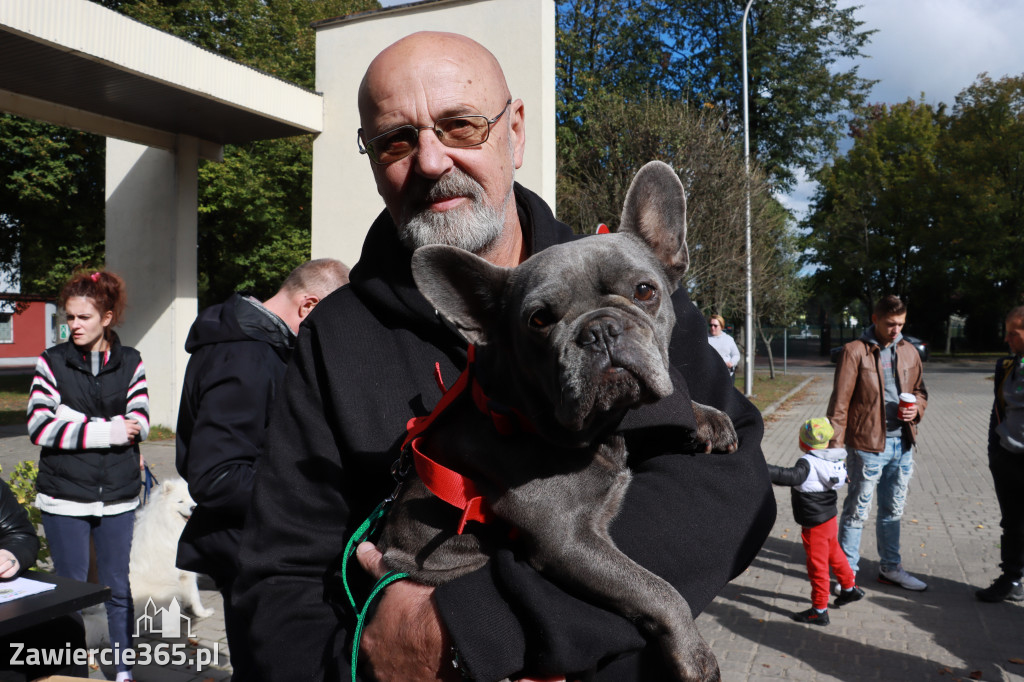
(363, 366)
(17, 535)
(239, 354)
(108, 474)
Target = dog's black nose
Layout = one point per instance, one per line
(599, 333)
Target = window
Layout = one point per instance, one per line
(6, 328)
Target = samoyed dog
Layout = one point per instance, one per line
(151, 569)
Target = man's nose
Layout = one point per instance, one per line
(432, 159)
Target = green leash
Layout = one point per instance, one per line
(368, 527)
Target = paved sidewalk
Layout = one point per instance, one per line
(950, 540)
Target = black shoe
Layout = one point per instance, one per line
(811, 616)
(849, 596)
(1004, 587)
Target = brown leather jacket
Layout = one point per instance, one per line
(857, 406)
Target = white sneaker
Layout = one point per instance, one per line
(901, 578)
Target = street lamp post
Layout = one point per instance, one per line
(748, 365)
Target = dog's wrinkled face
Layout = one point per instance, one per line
(587, 326)
(580, 330)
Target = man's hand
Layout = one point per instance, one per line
(404, 641)
(908, 413)
(9, 565)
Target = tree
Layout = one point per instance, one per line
(981, 221)
(691, 51)
(598, 163)
(873, 211)
(51, 191)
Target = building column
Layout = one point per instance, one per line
(151, 215)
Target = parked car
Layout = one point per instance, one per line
(921, 346)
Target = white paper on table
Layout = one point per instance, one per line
(22, 587)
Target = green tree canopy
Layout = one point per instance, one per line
(691, 50)
(928, 204)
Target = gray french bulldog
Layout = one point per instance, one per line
(572, 338)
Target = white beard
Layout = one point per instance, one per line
(473, 227)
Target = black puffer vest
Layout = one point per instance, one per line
(108, 474)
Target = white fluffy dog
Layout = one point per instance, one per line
(154, 546)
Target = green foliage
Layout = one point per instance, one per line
(51, 191)
(23, 484)
(597, 162)
(691, 50)
(929, 205)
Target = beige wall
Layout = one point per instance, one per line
(520, 33)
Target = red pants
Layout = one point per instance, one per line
(821, 543)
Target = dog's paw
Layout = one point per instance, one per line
(715, 429)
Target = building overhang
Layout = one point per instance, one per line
(78, 64)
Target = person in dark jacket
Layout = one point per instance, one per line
(815, 478)
(364, 365)
(239, 350)
(88, 409)
(1006, 461)
(19, 546)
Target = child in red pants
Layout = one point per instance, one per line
(815, 478)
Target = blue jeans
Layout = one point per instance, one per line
(68, 537)
(889, 471)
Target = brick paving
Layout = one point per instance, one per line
(950, 540)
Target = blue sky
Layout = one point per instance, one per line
(934, 47)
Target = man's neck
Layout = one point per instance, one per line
(510, 249)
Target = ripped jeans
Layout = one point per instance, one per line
(889, 472)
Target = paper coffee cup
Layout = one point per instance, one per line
(907, 399)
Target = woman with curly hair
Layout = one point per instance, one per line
(88, 410)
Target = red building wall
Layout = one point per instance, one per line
(29, 332)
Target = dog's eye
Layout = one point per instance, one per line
(542, 318)
(644, 292)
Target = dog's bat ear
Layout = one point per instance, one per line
(655, 211)
(463, 287)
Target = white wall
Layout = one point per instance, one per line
(152, 201)
(520, 33)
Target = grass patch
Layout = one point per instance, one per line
(768, 391)
(14, 397)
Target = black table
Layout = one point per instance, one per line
(69, 596)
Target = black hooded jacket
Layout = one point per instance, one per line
(363, 366)
(239, 354)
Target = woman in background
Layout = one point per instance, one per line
(723, 343)
(88, 409)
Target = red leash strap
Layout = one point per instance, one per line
(452, 487)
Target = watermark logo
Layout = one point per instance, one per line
(169, 619)
(169, 623)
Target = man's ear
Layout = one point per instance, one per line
(463, 287)
(306, 304)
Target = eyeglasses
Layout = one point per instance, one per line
(715, 325)
(468, 130)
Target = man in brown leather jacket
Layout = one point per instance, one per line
(879, 434)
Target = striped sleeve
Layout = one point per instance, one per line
(138, 401)
(57, 426)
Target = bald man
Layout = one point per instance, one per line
(443, 136)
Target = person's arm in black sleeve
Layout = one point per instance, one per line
(17, 534)
(228, 430)
(794, 475)
(696, 520)
(295, 528)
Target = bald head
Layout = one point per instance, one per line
(437, 190)
(463, 66)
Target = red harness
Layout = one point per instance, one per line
(447, 484)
